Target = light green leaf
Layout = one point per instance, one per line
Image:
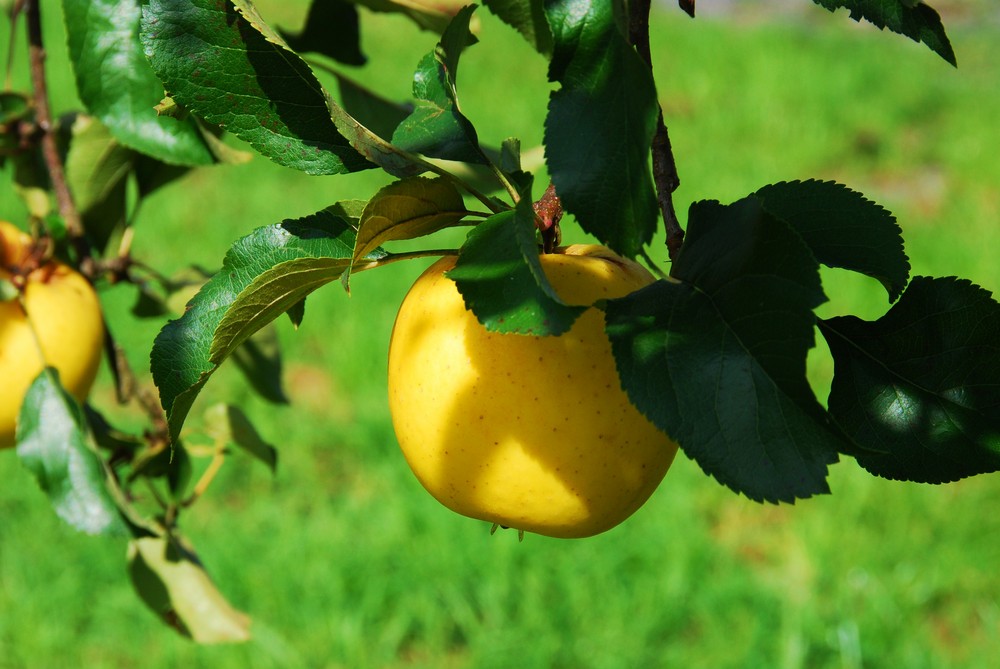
(117, 84)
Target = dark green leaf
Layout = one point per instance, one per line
(528, 18)
(297, 312)
(437, 128)
(331, 30)
(52, 443)
(922, 383)
(600, 126)
(501, 279)
(915, 20)
(106, 436)
(843, 229)
(228, 424)
(717, 360)
(228, 66)
(408, 209)
(118, 86)
(263, 275)
(15, 107)
(171, 580)
(259, 358)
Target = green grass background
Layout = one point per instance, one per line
(344, 561)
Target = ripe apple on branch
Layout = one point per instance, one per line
(533, 386)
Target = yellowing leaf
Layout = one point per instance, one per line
(171, 580)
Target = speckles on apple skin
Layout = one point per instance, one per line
(528, 429)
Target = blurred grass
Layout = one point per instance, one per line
(344, 561)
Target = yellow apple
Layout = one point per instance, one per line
(59, 324)
(531, 433)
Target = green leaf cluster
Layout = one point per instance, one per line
(716, 356)
(713, 354)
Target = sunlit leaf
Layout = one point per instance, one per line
(265, 274)
(437, 128)
(118, 86)
(52, 443)
(226, 64)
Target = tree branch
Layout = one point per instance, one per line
(664, 167)
(50, 151)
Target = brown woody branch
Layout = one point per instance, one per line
(50, 151)
(664, 167)
(125, 383)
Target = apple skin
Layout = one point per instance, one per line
(65, 314)
(531, 433)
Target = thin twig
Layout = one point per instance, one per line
(50, 152)
(664, 167)
(218, 459)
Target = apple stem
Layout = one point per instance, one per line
(665, 175)
(548, 212)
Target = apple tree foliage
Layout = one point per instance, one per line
(714, 353)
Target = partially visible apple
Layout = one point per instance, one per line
(532, 433)
(60, 324)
